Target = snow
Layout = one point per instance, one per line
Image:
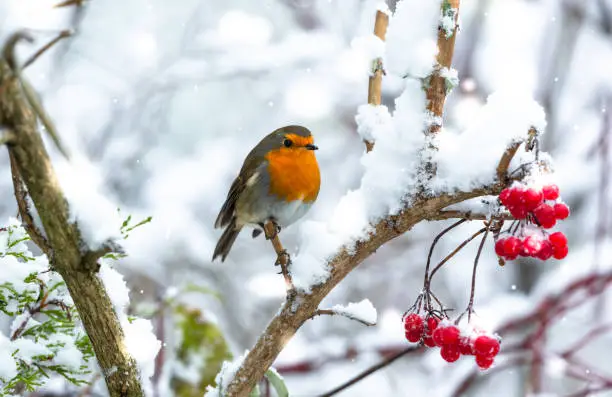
(373, 119)
(140, 340)
(362, 311)
(462, 164)
(89, 206)
(8, 366)
(225, 377)
(411, 38)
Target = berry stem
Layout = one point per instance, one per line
(470, 307)
(426, 280)
(449, 256)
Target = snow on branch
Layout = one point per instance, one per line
(363, 312)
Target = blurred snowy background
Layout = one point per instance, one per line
(160, 101)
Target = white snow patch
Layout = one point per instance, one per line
(363, 311)
(469, 160)
(412, 38)
(89, 206)
(225, 377)
(373, 119)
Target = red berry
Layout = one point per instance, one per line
(432, 324)
(486, 345)
(413, 322)
(413, 336)
(499, 247)
(429, 342)
(438, 337)
(561, 211)
(450, 353)
(560, 252)
(450, 335)
(504, 195)
(558, 239)
(545, 214)
(532, 198)
(512, 247)
(515, 198)
(551, 192)
(531, 245)
(465, 346)
(518, 211)
(484, 362)
(546, 250)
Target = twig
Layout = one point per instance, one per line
(375, 80)
(436, 91)
(331, 312)
(67, 3)
(586, 339)
(370, 371)
(453, 253)
(283, 258)
(504, 163)
(62, 35)
(433, 245)
(470, 307)
(469, 215)
(29, 92)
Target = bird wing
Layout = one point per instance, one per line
(228, 210)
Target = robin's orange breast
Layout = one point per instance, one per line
(294, 174)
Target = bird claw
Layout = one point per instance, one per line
(279, 259)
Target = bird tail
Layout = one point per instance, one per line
(224, 245)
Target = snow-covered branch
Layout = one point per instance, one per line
(62, 242)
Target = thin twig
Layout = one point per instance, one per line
(331, 312)
(29, 91)
(469, 215)
(453, 253)
(470, 307)
(370, 371)
(433, 245)
(62, 35)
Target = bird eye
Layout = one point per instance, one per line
(287, 143)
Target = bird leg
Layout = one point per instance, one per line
(283, 258)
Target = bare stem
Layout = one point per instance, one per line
(370, 371)
(470, 307)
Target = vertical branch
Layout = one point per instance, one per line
(375, 81)
(437, 89)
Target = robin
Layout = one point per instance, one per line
(278, 182)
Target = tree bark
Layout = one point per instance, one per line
(67, 253)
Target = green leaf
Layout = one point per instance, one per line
(255, 392)
(277, 382)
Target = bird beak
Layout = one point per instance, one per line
(310, 146)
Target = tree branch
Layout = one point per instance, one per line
(86, 288)
(437, 88)
(375, 81)
(301, 307)
(331, 312)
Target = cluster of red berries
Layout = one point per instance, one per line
(452, 341)
(540, 208)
